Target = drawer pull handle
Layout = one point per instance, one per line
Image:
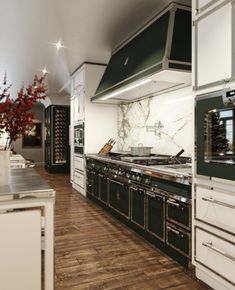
(173, 203)
(114, 181)
(173, 230)
(210, 246)
(212, 200)
(118, 196)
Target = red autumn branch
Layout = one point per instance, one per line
(15, 115)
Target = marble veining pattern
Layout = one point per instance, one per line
(174, 110)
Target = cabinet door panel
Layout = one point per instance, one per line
(216, 208)
(214, 47)
(216, 254)
(137, 207)
(103, 189)
(79, 178)
(156, 216)
(20, 250)
(119, 197)
(96, 189)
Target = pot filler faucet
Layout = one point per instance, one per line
(156, 128)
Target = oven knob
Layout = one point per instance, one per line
(147, 181)
(105, 168)
(138, 178)
(128, 175)
(133, 177)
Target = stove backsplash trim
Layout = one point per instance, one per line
(173, 110)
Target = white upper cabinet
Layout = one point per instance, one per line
(78, 96)
(203, 5)
(214, 37)
(78, 82)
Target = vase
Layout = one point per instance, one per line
(4, 167)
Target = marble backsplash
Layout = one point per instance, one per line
(163, 122)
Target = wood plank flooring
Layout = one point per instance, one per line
(95, 251)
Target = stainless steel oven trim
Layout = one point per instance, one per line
(207, 223)
(180, 230)
(195, 252)
(121, 213)
(164, 218)
(131, 218)
(176, 222)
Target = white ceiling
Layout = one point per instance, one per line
(90, 30)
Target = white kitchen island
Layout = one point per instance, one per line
(27, 232)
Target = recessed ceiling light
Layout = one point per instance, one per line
(58, 45)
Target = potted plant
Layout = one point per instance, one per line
(16, 116)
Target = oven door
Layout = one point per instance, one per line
(215, 135)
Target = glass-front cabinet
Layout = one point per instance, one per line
(215, 134)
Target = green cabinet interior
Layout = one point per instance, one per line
(145, 53)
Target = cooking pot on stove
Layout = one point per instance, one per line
(141, 150)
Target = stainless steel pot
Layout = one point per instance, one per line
(141, 150)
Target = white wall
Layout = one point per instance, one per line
(173, 110)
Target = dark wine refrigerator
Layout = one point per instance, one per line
(57, 149)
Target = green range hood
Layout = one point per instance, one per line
(156, 60)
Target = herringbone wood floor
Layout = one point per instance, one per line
(95, 251)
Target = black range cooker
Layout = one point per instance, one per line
(158, 209)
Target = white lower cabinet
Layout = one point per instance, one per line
(20, 250)
(216, 208)
(79, 163)
(79, 179)
(214, 236)
(216, 254)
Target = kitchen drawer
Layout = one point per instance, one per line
(78, 179)
(216, 208)
(178, 213)
(216, 254)
(79, 163)
(178, 239)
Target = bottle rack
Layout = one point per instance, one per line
(57, 138)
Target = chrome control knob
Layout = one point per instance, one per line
(147, 181)
(128, 175)
(138, 178)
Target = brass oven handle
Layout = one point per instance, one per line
(150, 194)
(122, 184)
(210, 246)
(212, 200)
(173, 230)
(118, 195)
(173, 203)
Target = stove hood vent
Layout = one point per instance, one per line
(155, 60)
